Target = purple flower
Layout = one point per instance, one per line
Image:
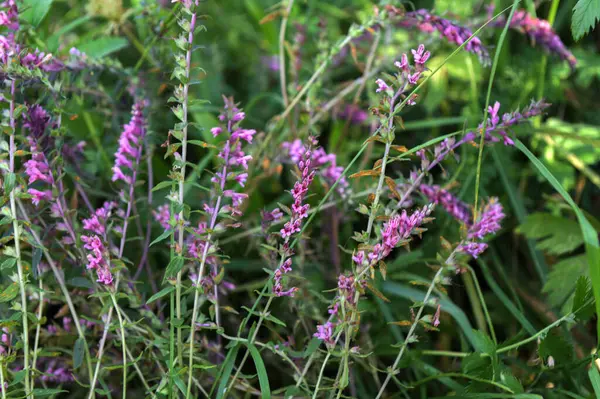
(326, 164)
(216, 131)
(403, 63)
(130, 146)
(540, 32)
(37, 168)
(420, 55)
(455, 207)
(97, 258)
(36, 120)
(382, 86)
(488, 221)
(325, 332)
(9, 17)
(39, 195)
(509, 119)
(300, 211)
(473, 249)
(453, 33)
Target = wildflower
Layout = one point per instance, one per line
(130, 146)
(540, 32)
(325, 333)
(36, 120)
(488, 221)
(37, 168)
(324, 163)
(455, 207)
(403, 63)
(473, 249)
(38, 196)
(97, 258)
(420, 55)
(452, 32)
(382, 86)
(9, 17)
(299, 191)
(436, 316)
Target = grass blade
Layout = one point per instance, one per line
(263, 378)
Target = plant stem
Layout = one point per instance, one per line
(475, 303)
(37, 329)
(483, 304)
(2, 388)
(17, 239)
(184, 106)
(123, 344)
(282, 29)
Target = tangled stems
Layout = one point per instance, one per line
(17, 238)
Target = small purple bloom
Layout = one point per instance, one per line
(382, 86)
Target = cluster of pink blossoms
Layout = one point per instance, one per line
(540, 32)
(98, 256)
(321, 160)
(38, 169)
(455, 207)
(294, 225)
(487, 223)
(396, 231)
(452, 32)
(408, 74)
(130, 146)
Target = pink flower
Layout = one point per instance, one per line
(382, 86)
(130, 146)
(39, 195)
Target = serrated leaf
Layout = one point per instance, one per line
(586, 14)
(583, 299)
(509, 380)
(555, 345)
(483, 343)
(557, 235)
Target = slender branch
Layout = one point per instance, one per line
(17, 239)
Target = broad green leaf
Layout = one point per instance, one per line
(162, 236)
(104, 46)
(175, 265)
(263, 378)
(586, 14)
(594, 376)
(35, 10)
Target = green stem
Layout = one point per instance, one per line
(17, 240)
(2, 388)
(37, 331)
(123, 344)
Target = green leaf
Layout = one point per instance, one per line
(263, 378)
(160, 294)
(162, 184)
(590, 236)
(562, 279)
(81, 282)
(483, 343)
(557, 235)
(35, 11)
(583, 295)
(8, 263)
(557, 346)
(104, 46)
(78, 351)
(586, 13)
(312, 346)
(595, 379)
(161, 237)
(509, 380)
(9, 292)
(227, 368)
(175, 265)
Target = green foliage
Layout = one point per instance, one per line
(586, 14)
